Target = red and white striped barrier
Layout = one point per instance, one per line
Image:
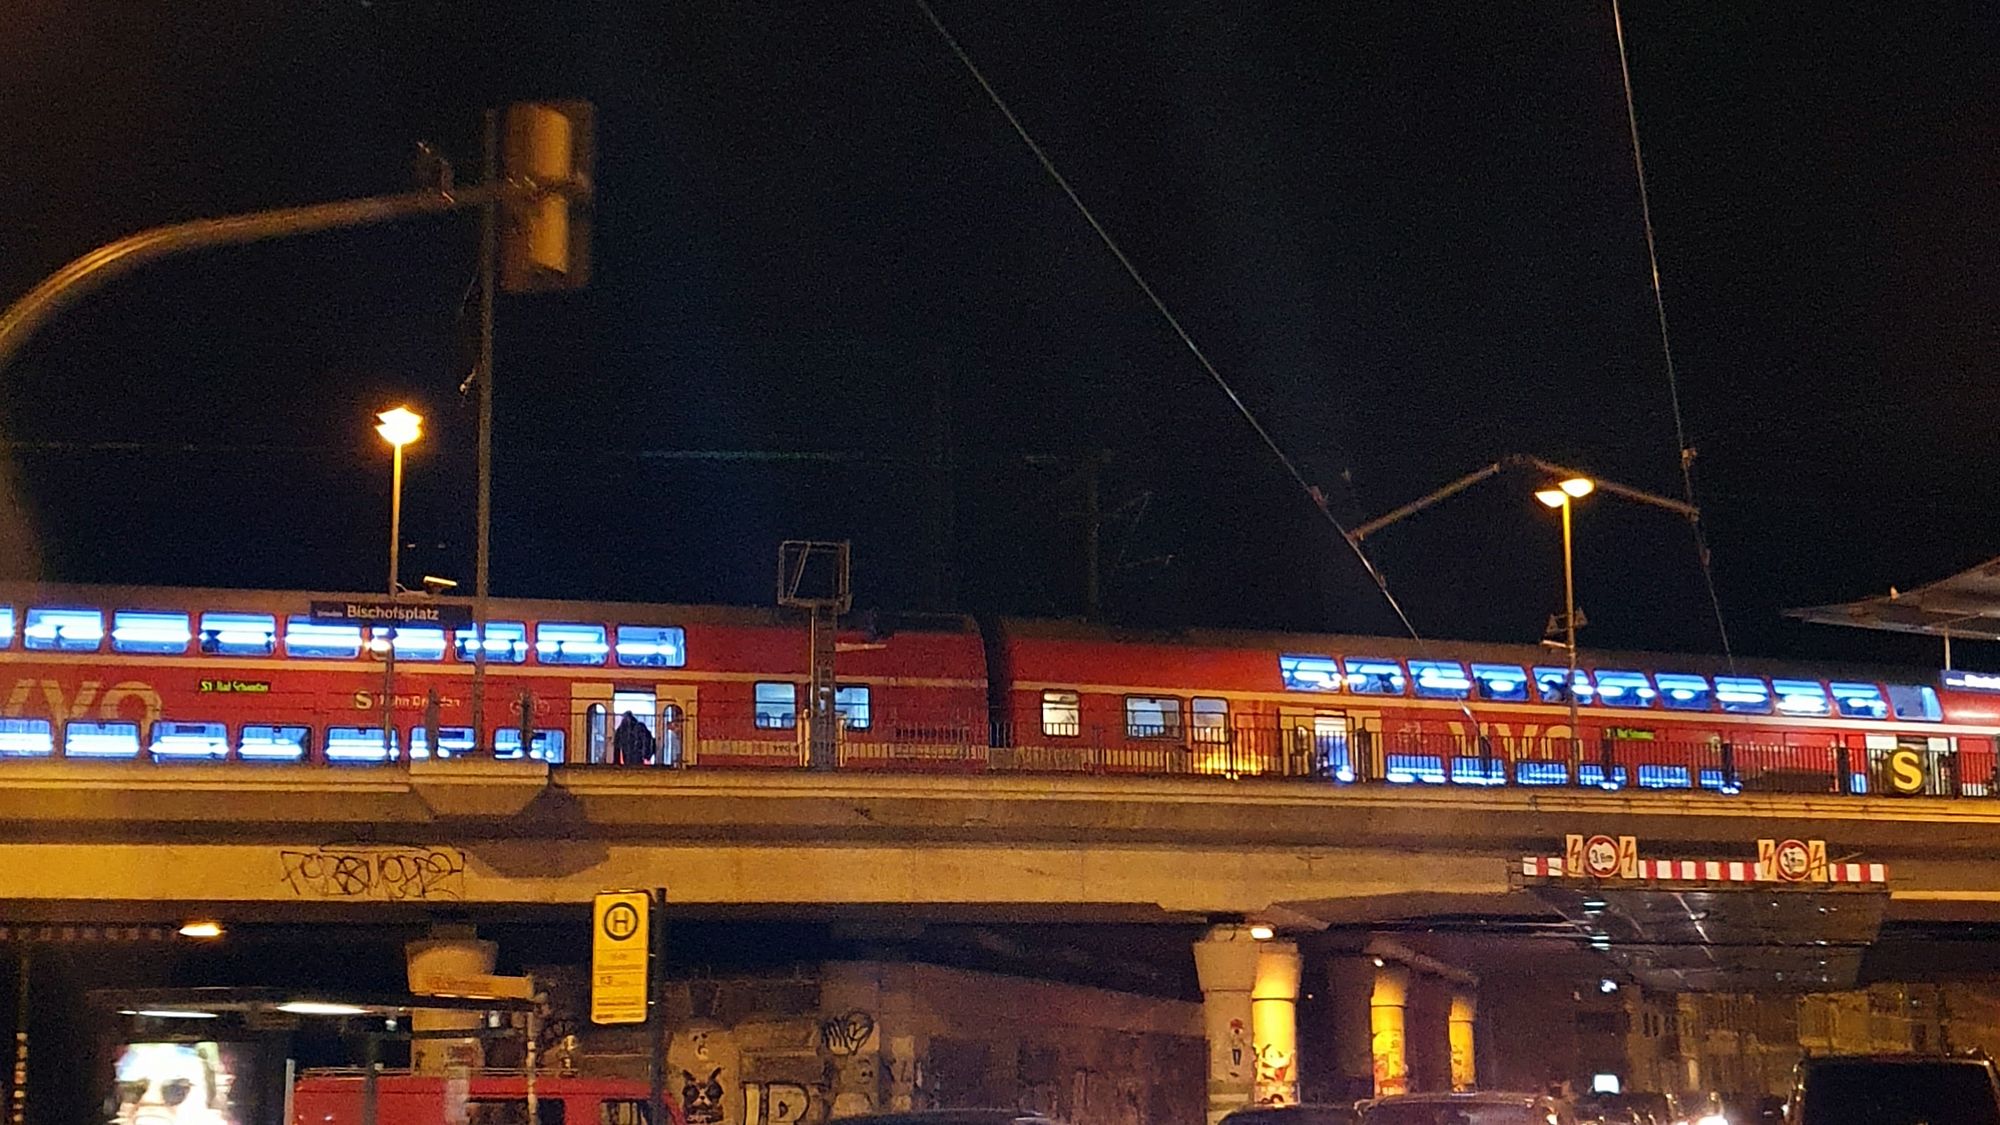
(1709, 871)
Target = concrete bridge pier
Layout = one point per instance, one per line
(1250, 992)
(1397, 1022)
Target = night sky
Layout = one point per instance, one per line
(834, 296)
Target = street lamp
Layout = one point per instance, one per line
(399, 427)
(1561, 496)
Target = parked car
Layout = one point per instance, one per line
(1486, 1107)
(492, 1098)
(1895, 1090)
(1293, 1115)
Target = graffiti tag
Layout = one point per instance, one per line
(390, 873)
(846, 1034)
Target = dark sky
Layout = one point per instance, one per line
(1409, 234)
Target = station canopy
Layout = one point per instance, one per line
(1965, 605)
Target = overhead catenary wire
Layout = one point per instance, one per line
(1313, 493)
(1686, 452)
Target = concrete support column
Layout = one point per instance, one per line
(1274, 1023)
(450, 951)
(1386, 1007)
(1225, 962)
(1459, 1029)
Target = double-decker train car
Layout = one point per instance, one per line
(187, 675)
(1353, 709)
(244, 677)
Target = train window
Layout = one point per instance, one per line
(6, 626)
(1681, 691)
(182, 741)
(1743, 695)
(1062, 714)
(1859, 701)
(777, 706)
(315, 640)
(1152, 716)
(1208, 719)
(506, 643)
(1440, 679)
(1915, 702)
(1309, 673)
(1624, 689)
(415, 642)
(267, 743)
(1369, 675)
(1800, 697)
(1549, 685)
(359, 744)
(570, 644)
(26, 738)
(238, 634)
(153, 634)
(651, 646)
(1500, 683)
(850, 702)
(100, 740)
(63, 630)
(453, 742)
(543, 745)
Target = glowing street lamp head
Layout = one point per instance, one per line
(1553, 497)
(1578, 487)
(400, 426)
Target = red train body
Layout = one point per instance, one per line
(251, 678)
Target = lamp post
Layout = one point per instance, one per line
(1561, 496)
(399, 427)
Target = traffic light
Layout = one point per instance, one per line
(548, 148)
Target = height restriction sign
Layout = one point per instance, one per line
(620, 924)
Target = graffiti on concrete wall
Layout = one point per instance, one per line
(777, 1103)
(701, 1098)
(390, 873)
(847, 1034)
(1277, 1080)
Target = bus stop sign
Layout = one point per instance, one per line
(621, 922)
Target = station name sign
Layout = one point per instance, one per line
(1971, 681)
(445, 615)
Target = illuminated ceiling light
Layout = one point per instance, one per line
(1379, 962)
(400, 426)
(1607, 986)
(321, 1008)
(167, 1014)
(1263, 933)
(1578, 487)
(201, 929)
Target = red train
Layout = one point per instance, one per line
(253, 677)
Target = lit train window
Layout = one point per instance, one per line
(317, 640)
(154, 634)
(651, 646)
(189, 741)
(1681, 691)
(1062, 714)
(453, 742)
(1440, 679)
(851, 704)
(1743, 695)
(1800, 697)
(1624, 689)
(63, 630)
(1549, 685)
(1208, 719)
(100, 740)
(1369, 675)
(238, 634)
(359, 744)
(415, 642)
(1915, 702)
(6, 626)
(1309, 673)
(1501, 683)
(26, 738)
(545, 745)
(1859, 701)
(506, 643)
(263, 743)
(570, 644)
(1152, 716)
(777, 706)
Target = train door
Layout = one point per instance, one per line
(1316, 743)
(674, 724)
(590, 721)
